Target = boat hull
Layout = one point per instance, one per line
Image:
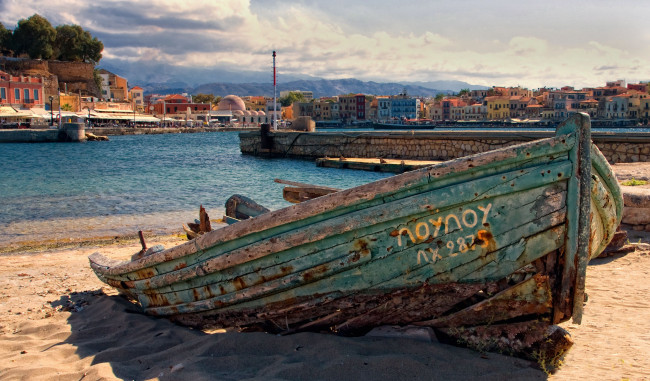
(488, 239)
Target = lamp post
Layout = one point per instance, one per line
(51, 111)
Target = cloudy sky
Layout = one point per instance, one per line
(483, 42)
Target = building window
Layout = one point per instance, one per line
(17, 94)
(36, 97)
(26, 94)
(3, 93)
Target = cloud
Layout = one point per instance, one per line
(494, 44)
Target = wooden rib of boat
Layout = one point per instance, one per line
(489, 245)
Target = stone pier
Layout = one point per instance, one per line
(70, 132)
(425, 145)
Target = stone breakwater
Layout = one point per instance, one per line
(417, 145)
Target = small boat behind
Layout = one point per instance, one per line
(489, 248)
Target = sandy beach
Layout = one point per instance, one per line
(58, 321)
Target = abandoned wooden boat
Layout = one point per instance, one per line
(493, 244)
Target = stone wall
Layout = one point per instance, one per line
(77, 76)
(420, 146)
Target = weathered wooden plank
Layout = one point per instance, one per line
(300, 194)
(504, 211)
(440, 199)
(305, 185)
(357, 279)
(530, 297)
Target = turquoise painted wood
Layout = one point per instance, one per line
(509, 230)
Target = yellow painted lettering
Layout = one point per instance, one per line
(434, 254)
(485, 211)
(418, 230)
(447, 223)
(401, 232)
(474, 219)
(421, 254)
(437, 223)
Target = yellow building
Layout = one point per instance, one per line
(255, 103)
(70, 102)
(498, 107)
(644, 109)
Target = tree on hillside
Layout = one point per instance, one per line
(439, 97)
(97, 79)
(72, 43)
(291, 98)
(34, 37)
(463, 92)
(203, 98)
(5, 40)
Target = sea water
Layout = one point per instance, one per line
(153, 183)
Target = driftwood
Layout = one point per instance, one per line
(299, 192)
(194, 229)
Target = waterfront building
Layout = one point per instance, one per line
(475, 111)
(517, 104)
(113, 86)
(255, 103)
(644, 110)
(616, 107)
(371, 108)
(22, 91)
(322, 109)
(348, 108)
(136, 95)
(498, 107)
(335, 110)
(70, 102)
(270, 113)
(456, 109)
(589, 106)
(178, 107)
(362, 106)
(303, 109)
(383, 108)
(402, 106)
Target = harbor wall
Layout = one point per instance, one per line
(416, 145)
(70, 132)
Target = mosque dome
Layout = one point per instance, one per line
(238, 112)
(231, 103)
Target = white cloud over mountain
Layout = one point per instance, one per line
(501, 42)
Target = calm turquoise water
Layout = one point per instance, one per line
(148, 182)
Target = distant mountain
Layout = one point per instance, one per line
(159, 74)
(320, 88)
(454, 86)
(162, 78)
